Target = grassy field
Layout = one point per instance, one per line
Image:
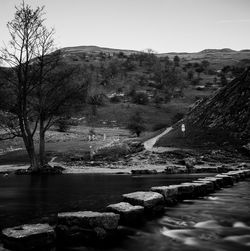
(111, 120)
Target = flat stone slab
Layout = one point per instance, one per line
(184, 190)
(227, 180)
(209, 184)
(28, 237)
(166, 191)
(85, 227)
(217, 181)
(129, 214)
(145, 199)
(89, 219)
(170, 194)
(235, 177)
(199, 189)
(241, 175)
(202, 187)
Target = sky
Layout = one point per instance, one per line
(162, 25)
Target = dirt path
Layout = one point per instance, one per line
(149, 144)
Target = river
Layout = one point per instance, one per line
(218, 222)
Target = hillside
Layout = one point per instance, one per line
(217, 57)
(221, 119)
(95, 49)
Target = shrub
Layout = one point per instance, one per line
(140, 98)
(115, 99)
(158, 100)
(136, 124)
(112, 152)
(63, 124)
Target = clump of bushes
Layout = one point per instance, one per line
(136, 124)
(140, 98)
(112, 152)
(63, 124)
(115, 99)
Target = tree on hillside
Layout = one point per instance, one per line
(176, 61)
(205, 64)
(136, 124)
(36, 84)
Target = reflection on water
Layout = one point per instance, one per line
(218, 222)
(27, 198)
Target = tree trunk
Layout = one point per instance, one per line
(30, 148)
(94, 110)
(29, 144)
(42, 149)
(42, 143)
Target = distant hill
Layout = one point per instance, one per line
(217, 57)
(96, 49)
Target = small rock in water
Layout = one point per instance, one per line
(241, 239)
(207, 224)
(240, 224)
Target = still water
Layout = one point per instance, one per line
(27, 198)
(218, 222)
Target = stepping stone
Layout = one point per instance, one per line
(129, 214)
(218, 182)
(166, 191)
(202, 188)
(247, 172)
(185, 191)
(239, 174)
(151, 201)
(236, 177)
(209, 185)
(86, 225)
(199, 189)
(170, 193)
(227, 180)
(29, 237)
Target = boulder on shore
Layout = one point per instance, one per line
(29, 237)
(129, 214)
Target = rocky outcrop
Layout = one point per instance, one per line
(228, 110)
(29, 237)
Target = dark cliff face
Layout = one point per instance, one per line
(228, 110)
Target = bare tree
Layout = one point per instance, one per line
(36, 80)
